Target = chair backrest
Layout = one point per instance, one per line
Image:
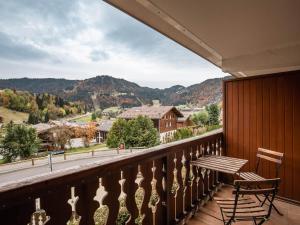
(271, 156)
(268, 188)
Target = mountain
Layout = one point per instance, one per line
(105, 91)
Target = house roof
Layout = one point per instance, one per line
(186, 116)
(153, 112)
(43, 127)
(105, 125)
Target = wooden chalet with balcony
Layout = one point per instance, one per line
(164, 118)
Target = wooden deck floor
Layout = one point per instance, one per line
(210, 213)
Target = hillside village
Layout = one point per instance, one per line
(113, 118)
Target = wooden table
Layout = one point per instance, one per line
(217, 163)
(222, 164)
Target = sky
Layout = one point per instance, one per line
(79, 39)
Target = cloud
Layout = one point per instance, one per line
(15, 50)
(98, 55)
(80, 39)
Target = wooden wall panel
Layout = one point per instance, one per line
(265, 112)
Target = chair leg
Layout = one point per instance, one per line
(277, 210)
(262, 221)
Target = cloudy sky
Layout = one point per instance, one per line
(78, 39)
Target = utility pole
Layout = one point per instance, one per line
(50, 161)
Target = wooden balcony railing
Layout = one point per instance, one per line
(157, 186)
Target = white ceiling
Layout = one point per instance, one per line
(243, 38)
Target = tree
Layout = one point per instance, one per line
(117, 133)
(61, 136)
(89, 133)
(33, 118)
(93, 116)
(19, 141)
(200, 118)
(183, 133)
(213, 114)
(139, 132)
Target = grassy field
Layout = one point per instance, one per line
(84, 119)
(87, 149)
(11, 115)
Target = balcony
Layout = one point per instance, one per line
(156, 186)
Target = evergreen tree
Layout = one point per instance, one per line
(213, 114)
(33, 118)
(93, 116)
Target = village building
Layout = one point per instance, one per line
(103, 128)
(164, 118)
(186, 120)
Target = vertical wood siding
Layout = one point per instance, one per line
(265, 112)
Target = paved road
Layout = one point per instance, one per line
(14, 174)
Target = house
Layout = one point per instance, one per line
(186, 120)
(164, 118)
(102, 130)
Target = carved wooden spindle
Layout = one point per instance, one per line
(139, 196)
(217, 153)
(197, 173)
(208, 148)
(102, 212)
(183, 176)
(203, 172)
(213, 152)
(154, 197)
(221, 148)
(191, 178)
(75, 218)
(124, 216)
(208, 180)
(175, 187)
(163, 181)
(39, 217)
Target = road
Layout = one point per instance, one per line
(13, 173)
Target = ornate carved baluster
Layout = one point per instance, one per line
(175, 187)
(208, 182)
(163, 181)
(39, 217)
(102, 212)
(217, 153)
(154, 197)
(139, 196)
(208, 148)
(221, 149)
(191, 177)
(183, 176)
(203, 171)
(75, 218)
(213, 152)
(197, 173)
(124, 216)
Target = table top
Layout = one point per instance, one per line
(222, 164)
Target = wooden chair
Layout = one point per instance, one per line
(244, 208)
(267, 155)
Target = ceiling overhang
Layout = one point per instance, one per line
(243, 38)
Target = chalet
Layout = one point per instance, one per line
(102, 130)
(186, 120)
(164, 118)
